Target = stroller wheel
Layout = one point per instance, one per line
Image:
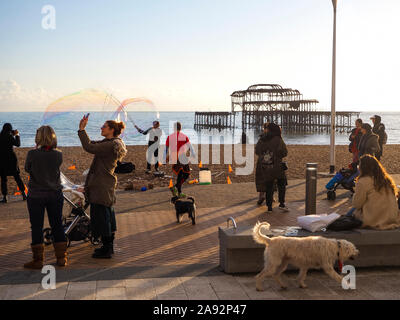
(47, 236)
(94, 241)
(331, 195)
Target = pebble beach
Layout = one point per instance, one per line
(298, 156)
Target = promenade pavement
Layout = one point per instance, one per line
(156, 258)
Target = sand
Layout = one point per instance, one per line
(297, 158)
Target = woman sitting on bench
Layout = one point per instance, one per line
(374, 199)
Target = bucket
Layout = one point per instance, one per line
(204, 177)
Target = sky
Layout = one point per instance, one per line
(188, 55)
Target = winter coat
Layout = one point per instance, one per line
(43, 167)
(270, 153)
(369, 144)
(354, 142)
(379, 130)
(101, 181)
(8, 158)
(377, 210)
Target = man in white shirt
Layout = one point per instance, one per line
(155, 134)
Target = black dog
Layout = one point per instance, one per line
(183, 206)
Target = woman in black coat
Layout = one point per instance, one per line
(271, 149)
(8, 160)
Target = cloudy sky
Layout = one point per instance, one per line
(192, 54)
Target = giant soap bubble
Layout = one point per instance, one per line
(65, 113)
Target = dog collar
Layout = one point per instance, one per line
(340, 263)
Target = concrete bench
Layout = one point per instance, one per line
(239, 253)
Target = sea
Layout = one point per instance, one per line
(66, 127)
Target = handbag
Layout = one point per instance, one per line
(345, 223)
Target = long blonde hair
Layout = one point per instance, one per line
(46, 137)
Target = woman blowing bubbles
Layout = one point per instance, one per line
(101, 181)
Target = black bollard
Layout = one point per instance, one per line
(311, 189)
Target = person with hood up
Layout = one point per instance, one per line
(369, 142)
(379, 129)
(271, 149)
(8, 160)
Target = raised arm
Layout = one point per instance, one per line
(94, 148)
(16, 141)
(144, 132)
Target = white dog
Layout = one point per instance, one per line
(304, 253)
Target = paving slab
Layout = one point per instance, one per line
(200, 292)
(22, 291)
(49, 294)
(85, 286)
(111, 294)
(172, 296)
(141, 293)
(81, 294)
(225, 283)
(3, 291)
(236, 295)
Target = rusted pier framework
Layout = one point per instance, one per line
(271, 102)
(214, 120)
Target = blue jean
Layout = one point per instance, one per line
(53, 202)
(350, 213)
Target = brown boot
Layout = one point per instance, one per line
(38, 257)
(60, 249)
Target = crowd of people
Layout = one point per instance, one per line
(45, 189)
(376, 198)
(374, 201)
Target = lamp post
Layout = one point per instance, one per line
(333, 99)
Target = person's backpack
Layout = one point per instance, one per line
(384, 137)
(268, 159)
(345, 223)
(124, 167)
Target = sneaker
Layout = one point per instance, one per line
(269, 210)
(283, 208)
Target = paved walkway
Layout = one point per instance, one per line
(158, 259)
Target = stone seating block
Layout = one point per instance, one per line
(239, 253)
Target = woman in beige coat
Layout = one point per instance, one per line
(101, 181)
(374, 199)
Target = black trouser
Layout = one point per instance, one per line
(18, 180)
(281, 183)
(53, 202)
(149, 156)
(182, 176)
(102, 220)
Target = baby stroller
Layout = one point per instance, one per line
(344, 178)
(76, 222)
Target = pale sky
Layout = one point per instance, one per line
(191, 55)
